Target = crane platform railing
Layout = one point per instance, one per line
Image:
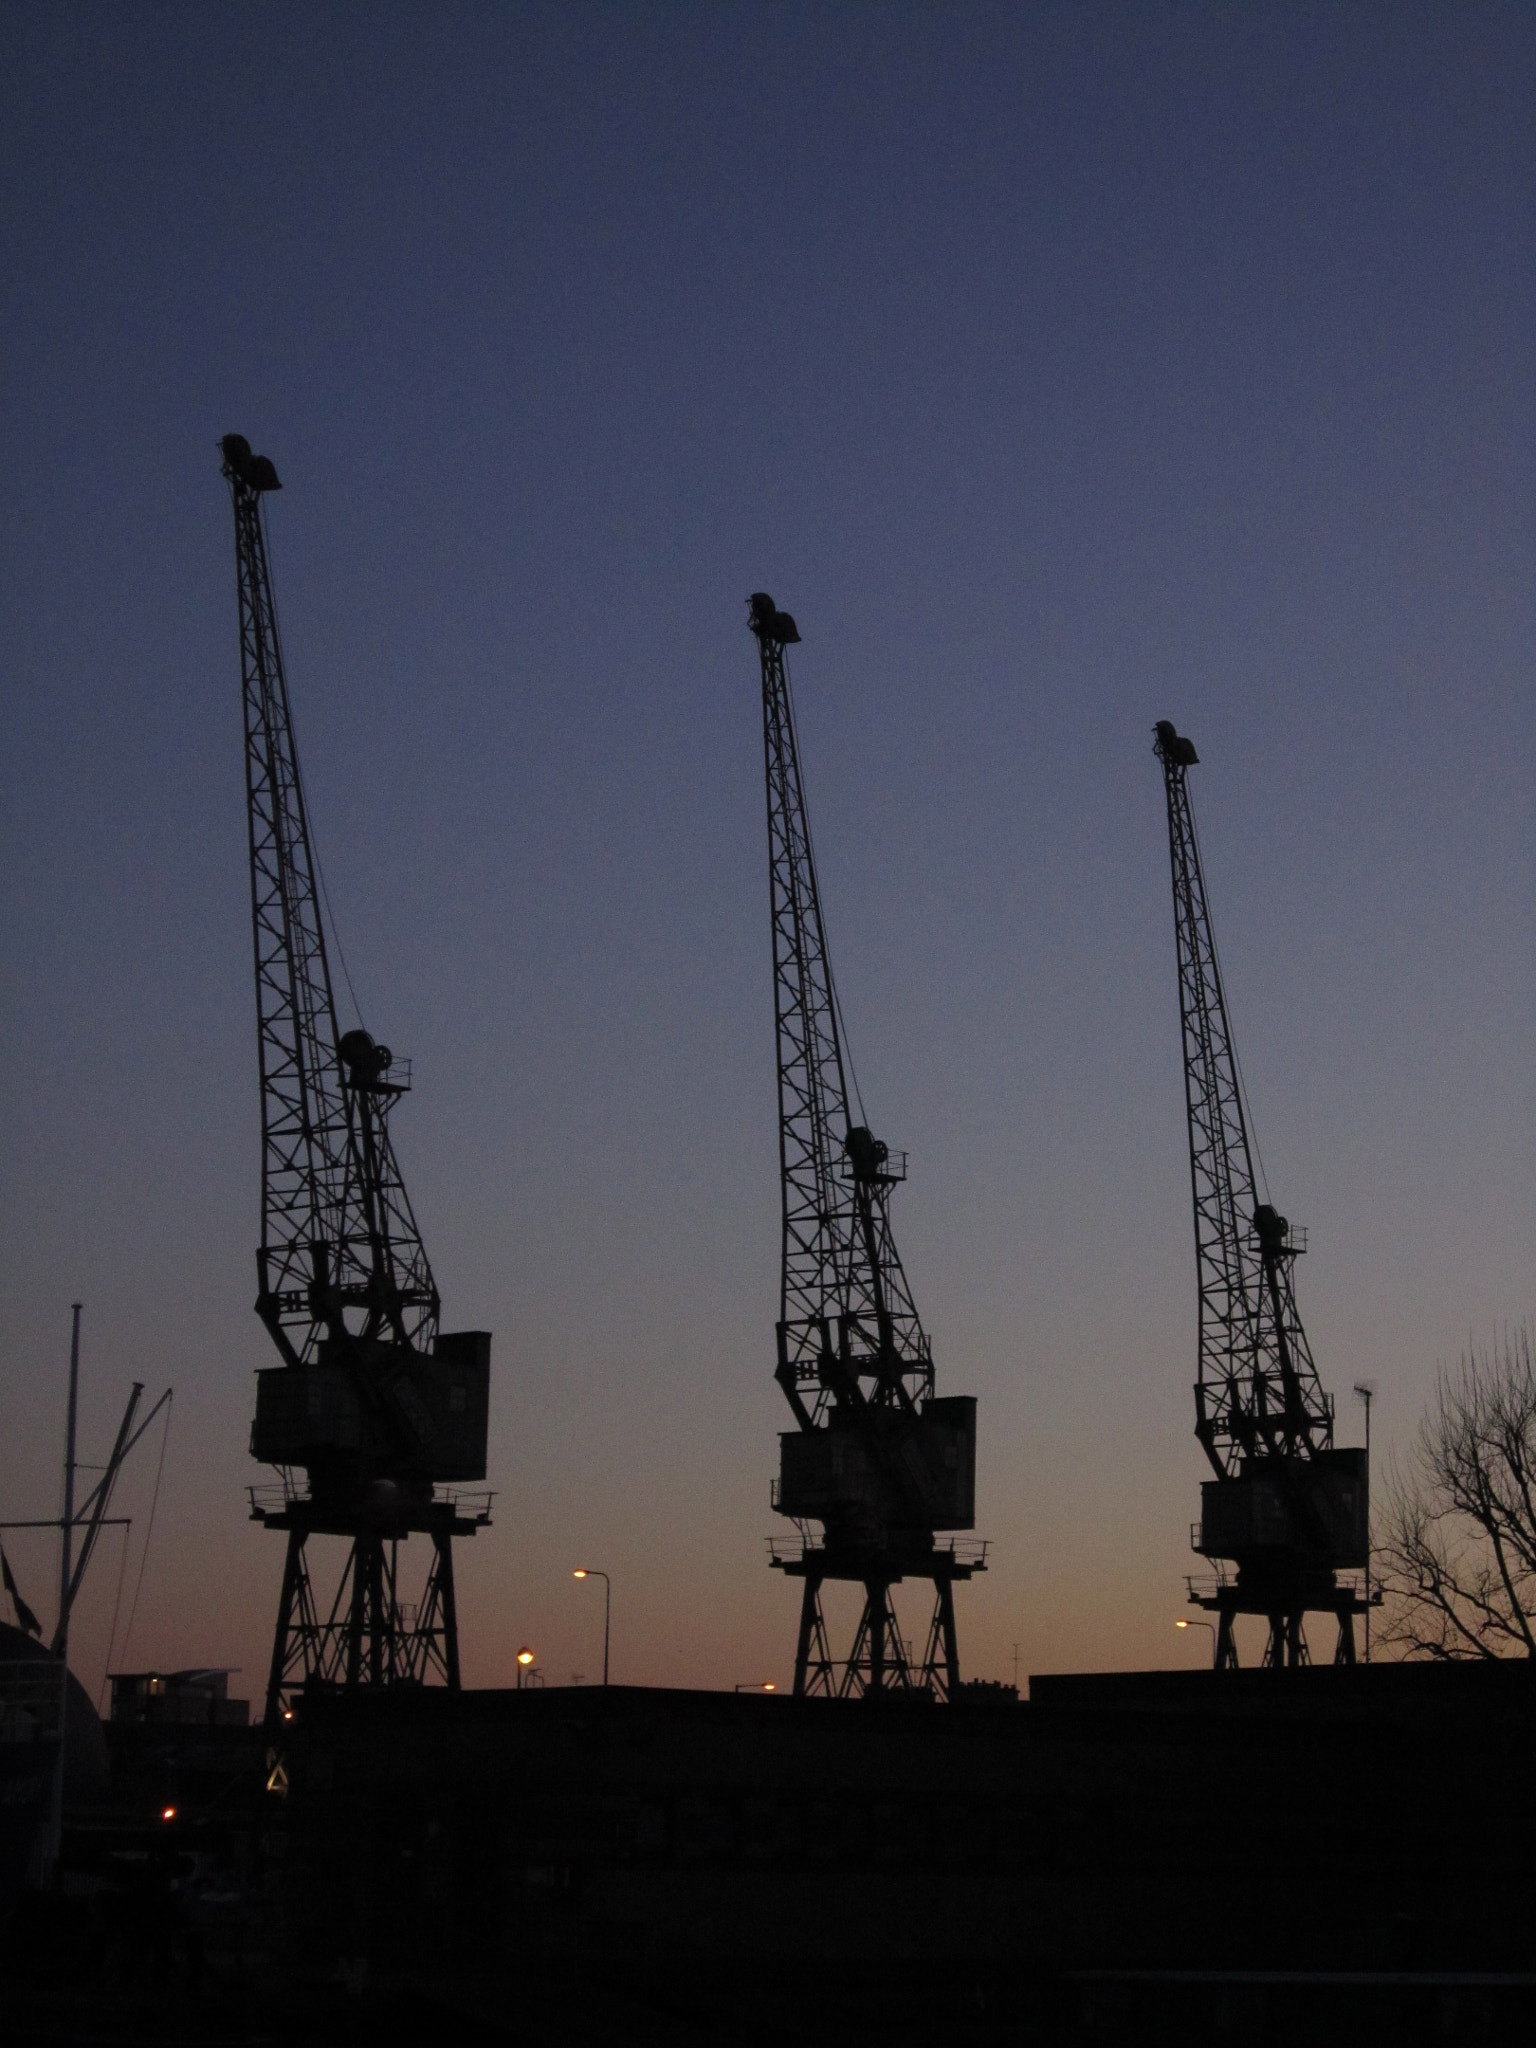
(1295, 1238)
(1204, 1587)
(970, 1551)
(892, 1167)
(469, 1504)
(395, 1079)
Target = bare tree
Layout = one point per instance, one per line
(1456, 1547)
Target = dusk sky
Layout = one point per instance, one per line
(1061, 369)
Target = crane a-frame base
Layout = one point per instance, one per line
(879, 1662)
(1285, 1609)
(368, 1636)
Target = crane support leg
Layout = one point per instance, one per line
(1226, 1642)
(1287, 1646)
(380, 1629)
(1344, 1649)
(292, 1571)
(878, 1663)
(940, 1671)
(813, 1660)
(877, 1597)
(946, 1608)
(358, 1619)
(450, 1608)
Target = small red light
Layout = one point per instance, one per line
(169, 1813)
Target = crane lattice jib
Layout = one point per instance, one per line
(340, 1252)
(849, 1332)
(1258, 1393)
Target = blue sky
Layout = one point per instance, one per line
(1061, 369)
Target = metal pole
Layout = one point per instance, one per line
(1364, 1389)
(587, 1571)
(66, 1554)
(1367, 1528)
(55, 1842)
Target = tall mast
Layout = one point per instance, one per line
(1284, 1505)
(875, 1458)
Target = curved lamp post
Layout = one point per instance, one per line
(1184, 1622)
(585, 1572)
(1364, 1390)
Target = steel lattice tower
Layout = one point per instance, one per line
(1285, 1506)
(876, 1458)
(372, 1403)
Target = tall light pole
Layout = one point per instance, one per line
(1365, 1389)
(1183, 1622)
(585, 1572)
(54, 1843)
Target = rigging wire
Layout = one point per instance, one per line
(165, 1437)
(122, 1568)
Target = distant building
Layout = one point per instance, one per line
(197, 1699)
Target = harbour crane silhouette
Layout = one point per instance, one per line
(374, 1414)
(1285, 1507)
(876, 1457)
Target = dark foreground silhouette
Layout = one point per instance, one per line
(1316, 1855)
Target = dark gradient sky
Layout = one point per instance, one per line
(1061, 369)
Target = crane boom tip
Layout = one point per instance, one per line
(769, 623)
(254, 471)
(1172, 747)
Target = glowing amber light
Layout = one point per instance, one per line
(525, 1658)
(169, 1813)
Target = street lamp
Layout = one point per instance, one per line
(524, 1665)
(1364, 1390)
(587, 1572)
(1184, 1622)
(758, 1685)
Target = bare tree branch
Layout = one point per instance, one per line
(1456, 1543)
